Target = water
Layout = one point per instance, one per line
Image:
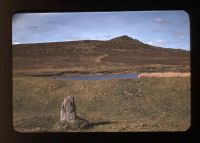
(97, 76)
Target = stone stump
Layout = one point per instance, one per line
(69, 120)
(68, 110)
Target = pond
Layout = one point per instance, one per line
(97, 76)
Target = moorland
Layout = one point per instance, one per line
(142, 104)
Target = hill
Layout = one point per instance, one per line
(117, 105)
(118, 52)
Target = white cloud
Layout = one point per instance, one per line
(180, 35)
(158, 42)
(161, 20)
(14, 43)
(150, 43)
(158, 19)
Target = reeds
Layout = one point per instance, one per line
(165, 74)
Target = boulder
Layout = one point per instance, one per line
(68, 117)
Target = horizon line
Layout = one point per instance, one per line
(89, 39)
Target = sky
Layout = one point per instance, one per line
(169, 29)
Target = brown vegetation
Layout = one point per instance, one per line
(165, 74)
(144, 104)
(121, 51)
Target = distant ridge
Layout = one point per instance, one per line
(123, 41)
(122, 50)
(125, 38)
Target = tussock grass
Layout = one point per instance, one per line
(144, 104)
(156, 68)
(165, 74)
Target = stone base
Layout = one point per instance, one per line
(79, 123)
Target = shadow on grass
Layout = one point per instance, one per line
(92, 125)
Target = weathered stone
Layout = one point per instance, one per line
(69, 120)
(68, 110)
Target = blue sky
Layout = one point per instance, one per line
(170, 29)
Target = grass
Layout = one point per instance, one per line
(150, 68)
(165, 74)
(144, 104)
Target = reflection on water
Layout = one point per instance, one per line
(97, 76)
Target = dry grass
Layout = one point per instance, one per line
(144, 104)
(165, 74)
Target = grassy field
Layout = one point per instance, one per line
(151, 68)
(144, 104)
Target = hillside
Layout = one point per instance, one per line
(117, 52)
(118, 105)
